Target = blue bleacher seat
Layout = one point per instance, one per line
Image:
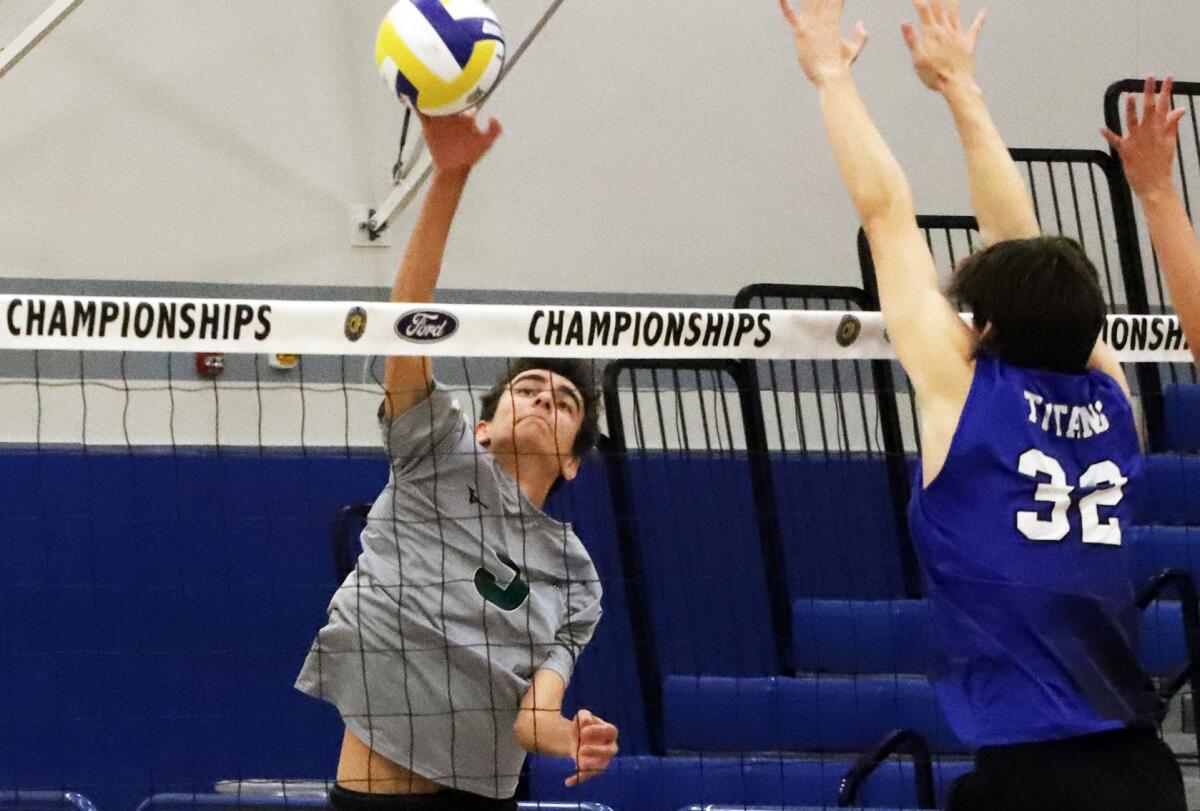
(44, 801)
(891, 636)
(648, 783)
(259, 800)
(1153, 549)
(1182, 405)
(801, 714)
(1172, 491)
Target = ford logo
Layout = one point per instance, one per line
(426, 326)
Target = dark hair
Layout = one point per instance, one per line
(1042, 297)
(578, 371)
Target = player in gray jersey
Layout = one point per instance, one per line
(448, 649)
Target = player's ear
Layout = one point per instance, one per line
(569, 468)
(483, 433)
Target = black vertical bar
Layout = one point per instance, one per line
(745, 376)
(636, 589)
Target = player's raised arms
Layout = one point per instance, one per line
(1147, 152)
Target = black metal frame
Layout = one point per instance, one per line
(649, 668)
(900, 741)
(1185, 587)
(885, 398)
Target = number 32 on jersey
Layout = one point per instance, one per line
(1105, 481)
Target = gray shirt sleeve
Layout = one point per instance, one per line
(434, 426)
(575, 632)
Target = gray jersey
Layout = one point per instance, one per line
(462, 591)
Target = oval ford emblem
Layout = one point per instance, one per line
(426, 326)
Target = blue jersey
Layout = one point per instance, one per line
(1021, 539)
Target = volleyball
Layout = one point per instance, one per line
(440, 56)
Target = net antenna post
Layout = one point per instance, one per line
(409, 178)
(38, 30)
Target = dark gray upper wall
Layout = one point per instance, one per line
(649, 148)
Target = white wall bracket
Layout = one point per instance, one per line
(38, 30)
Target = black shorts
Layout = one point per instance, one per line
(344, 799)
(1122, 770)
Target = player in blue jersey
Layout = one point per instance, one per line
(1030, 459)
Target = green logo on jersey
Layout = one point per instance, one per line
(508, 599)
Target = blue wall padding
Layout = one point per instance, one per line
(892, 636)
(156, 607)
(1171, 494)
(606, 681)
(800, 714)
(1182, 405)
(839, 529)
(669, 783)
(697, 533)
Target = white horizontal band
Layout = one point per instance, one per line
(92, 323)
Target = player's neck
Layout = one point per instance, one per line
(534, 474)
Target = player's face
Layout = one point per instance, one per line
(540, 413)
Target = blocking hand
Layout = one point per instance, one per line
(1148, 148)
(943, 52)
(822, 50)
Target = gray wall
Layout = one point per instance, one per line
(653, 148)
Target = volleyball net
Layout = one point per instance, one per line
(186, 483)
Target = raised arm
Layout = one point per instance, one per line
(456, 144)
(932, 342)
(943, 55)
(1148, 153)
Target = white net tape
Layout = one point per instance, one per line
(37, 322)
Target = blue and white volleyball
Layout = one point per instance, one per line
(440, 56)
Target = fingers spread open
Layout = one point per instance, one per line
(924, 14)
(1111, 137)
(952, 13)
(1148, 96)
(1173, 120)
(1131, 113)
(977, 26)
(858, 39)
(1165, 100)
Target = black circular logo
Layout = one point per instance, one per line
(356, 323)
(848, 330)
